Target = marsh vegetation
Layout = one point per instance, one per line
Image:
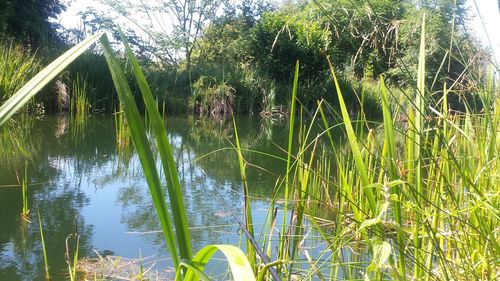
(374, 156)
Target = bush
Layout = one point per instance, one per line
(212, 97)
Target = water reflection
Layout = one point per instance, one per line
(79, 182)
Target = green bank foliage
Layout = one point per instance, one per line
(30, 21)
(17, 65)
(241, 60)
(365, 39)
(407, 200)
(411, 197)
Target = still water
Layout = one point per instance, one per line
(80, 182)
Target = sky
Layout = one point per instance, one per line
(485, 30)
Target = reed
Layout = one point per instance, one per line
(24, 193)
(23, 182)
(251, 254)
(417, 195)
(414, 200)
(44, 250)
(81, 93)
(17, 65)
(72, 259)
(122, 132)
(179, 245)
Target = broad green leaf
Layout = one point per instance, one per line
(382, 250)
(238, 262)
(382, 210)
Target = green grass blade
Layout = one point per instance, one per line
(388, 131)
(44, 250)
(21, 97)
(142, 146)
(193, 268)
(419, 138)
(391, 162)
(238, 262)
(251, 253)
(167, 159)
(282, 251)
(353, 143)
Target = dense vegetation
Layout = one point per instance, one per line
(242, 59)
(411, 197)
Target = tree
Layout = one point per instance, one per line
(281, 38)
(29, 20)
(227, 40)
(451, 53)
(173, 26)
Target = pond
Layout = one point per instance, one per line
(80, 182)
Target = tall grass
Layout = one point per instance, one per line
(44, 249)
(405, 201)
(17, 66)
(178, 244)
(24, 192)
(122, 132)
(427, 202)
(80, 100)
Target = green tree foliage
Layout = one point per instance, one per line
(227, 40)
(29, 20)
(282, 38)
(368, 38)
(450, 50)
(173, 26)
(364, 33)
(224, 43)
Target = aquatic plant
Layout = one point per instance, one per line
(81, 93)
(18, 66)
(24, 192)
(212, 97)
(406, 201)
(44, 250)
(72, 260)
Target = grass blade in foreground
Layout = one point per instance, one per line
(238, 263)
(142, 146)
(391, 162)
(30, 89)
(353, 143)
(283, 253)
(419, 137)
(167, 158)
(248, 212)
(44, 250)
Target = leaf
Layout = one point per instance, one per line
(381, 211)
(238, 263)
(143, 148)
(381, 252)
(353, 143)
(368, 223)
(30, 89)
(175, 192)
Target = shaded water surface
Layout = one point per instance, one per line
(81, 183)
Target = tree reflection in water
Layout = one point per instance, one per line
(80, 182)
